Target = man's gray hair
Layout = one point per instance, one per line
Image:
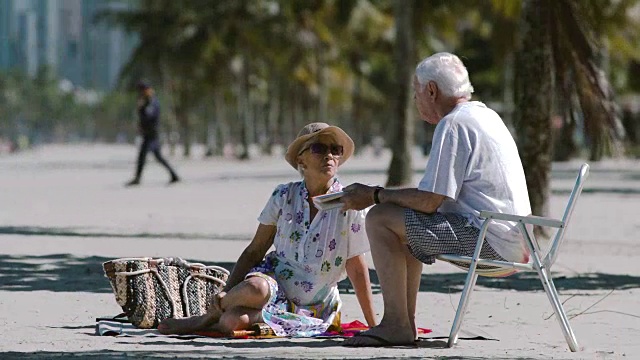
(448, 71)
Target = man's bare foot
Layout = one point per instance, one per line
(414, 329)
(380, 335)
(183, 326)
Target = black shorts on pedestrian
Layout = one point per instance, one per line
(430, 235)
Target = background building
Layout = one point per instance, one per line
(63, 35)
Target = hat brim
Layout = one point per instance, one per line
(341, 137)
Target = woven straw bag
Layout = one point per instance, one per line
(151, 290)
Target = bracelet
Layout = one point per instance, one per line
(376, 193)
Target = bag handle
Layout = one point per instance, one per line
(188, 265)
(192, 274)
(160, 280)
(185, 296)
(177, 261)
(209, 267)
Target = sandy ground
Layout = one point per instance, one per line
(64, 211)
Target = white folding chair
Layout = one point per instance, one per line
(538, 263)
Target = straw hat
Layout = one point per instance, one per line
(315, 129)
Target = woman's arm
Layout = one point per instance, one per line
(252, 255)
(358, 273)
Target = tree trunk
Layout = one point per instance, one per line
(564, 147)
(507, 95)
(273, 113)
(169, 95)
(182, 115)
(185, 125)
(533, 102)
(356, 111)
(219, 119)
(323, 91)
(401, 142)
(243, 109)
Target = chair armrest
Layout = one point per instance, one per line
(530, 219)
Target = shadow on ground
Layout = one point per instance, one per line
(58, 272)
(454, 282)
(156, 355)
(82, 232)
(68, 273)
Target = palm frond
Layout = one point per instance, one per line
(575, 59)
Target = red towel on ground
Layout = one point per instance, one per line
(348, 330)
(354, 327)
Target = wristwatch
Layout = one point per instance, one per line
(376, 193)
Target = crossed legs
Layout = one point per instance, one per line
(399, 275)
(239, 308)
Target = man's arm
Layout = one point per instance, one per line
(419, 200)
(358, 196)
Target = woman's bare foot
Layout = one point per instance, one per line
(381, 335)
(190, 325)
(183, 326)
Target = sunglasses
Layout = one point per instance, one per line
(323, 149)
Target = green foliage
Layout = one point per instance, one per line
(45, 109)
(275, 64)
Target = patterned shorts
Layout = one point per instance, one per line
(430, 235)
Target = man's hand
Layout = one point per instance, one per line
(357, 197)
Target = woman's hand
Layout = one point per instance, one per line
(216, 302)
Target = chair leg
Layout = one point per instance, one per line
(470, 282)
(552, 294)
(462, 307)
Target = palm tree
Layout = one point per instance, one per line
(400, 167)
(176, 44)
(533, 115)
(365, 49)
(557, 54)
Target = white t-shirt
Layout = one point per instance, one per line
(474, 162)
(312, 254)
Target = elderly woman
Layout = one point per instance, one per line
(294, 288)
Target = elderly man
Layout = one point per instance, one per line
(473, 165)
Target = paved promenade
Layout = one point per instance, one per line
(64, 211)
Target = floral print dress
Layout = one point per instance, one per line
(308, 261)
